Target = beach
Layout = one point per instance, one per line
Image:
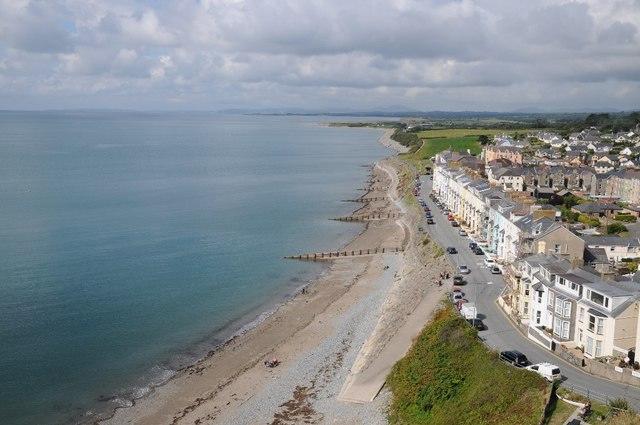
(336, 340)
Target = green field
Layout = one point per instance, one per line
(430, 147)
(462, 132)
(450, 377)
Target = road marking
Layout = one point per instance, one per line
(489, 283)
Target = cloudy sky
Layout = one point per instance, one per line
(499, 55)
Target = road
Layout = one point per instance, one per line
(483, 289)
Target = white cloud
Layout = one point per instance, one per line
(209, 54)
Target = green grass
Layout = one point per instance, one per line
(559, 412)
(430, 147)
(450, 377)
(463, 132)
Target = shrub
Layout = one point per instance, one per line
(625, 218)
(619, 404)
(616, 228)
(589, 221)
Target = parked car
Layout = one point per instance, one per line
(462, 269)
(451, 250)
(546, 370)
(496, 270)
(420, 229)
(430, 221)
(489, 262)
(462, 232)
(516, 358)
(455, 224)
(450, 217)
(472, 245)
(459, 280)
(478, 324)
(457, 296)
(478, 251)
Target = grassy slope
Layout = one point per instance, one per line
(449, 377)
(560, 412)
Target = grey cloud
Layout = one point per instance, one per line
(37, 27)
(618, 33)
(233, 53)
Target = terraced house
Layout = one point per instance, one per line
(576, 308)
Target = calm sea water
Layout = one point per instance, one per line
(131, 243)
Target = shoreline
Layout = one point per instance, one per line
(371, 302)
(387, 141)
(249, 326)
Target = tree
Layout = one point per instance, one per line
(616, 228)
(483, 139)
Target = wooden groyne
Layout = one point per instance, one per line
(368, 217)
(366, 200)
(332, 255)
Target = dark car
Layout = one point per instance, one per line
(478, 251)
(516, 358)
(472, 245)
(452, 250)
(430, 221)
(455, 224)
(428, 215)
(459, 280)
(477, 323)
(495, 270)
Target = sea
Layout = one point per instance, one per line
(133, 243)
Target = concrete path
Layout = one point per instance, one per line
(364, 386)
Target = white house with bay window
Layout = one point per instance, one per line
(607, 318)
(575, 307)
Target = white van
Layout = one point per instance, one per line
(546, 370)
(489, 263)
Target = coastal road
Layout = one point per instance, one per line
(483, 289)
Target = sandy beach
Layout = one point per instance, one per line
(336, 341)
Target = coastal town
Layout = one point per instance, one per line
(557, 218)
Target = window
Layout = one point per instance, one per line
(581, 314)
(551, 297)
(561, 281)
(597, 298)
(606, 302)
(526, 289)
(526, 308)
(567, 309)
(589, 348)
(598, 348)
(557, 327)
(574, 287)
(592, 323)
(556, 248)
(539, 296)
(600, 327)
(580, 335)
(538, 316)
(559, 307)
(565, 329)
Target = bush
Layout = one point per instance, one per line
(588, 221)
(616, 228)
(626, 218)
(619, 404)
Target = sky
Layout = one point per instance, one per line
(331, 55)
